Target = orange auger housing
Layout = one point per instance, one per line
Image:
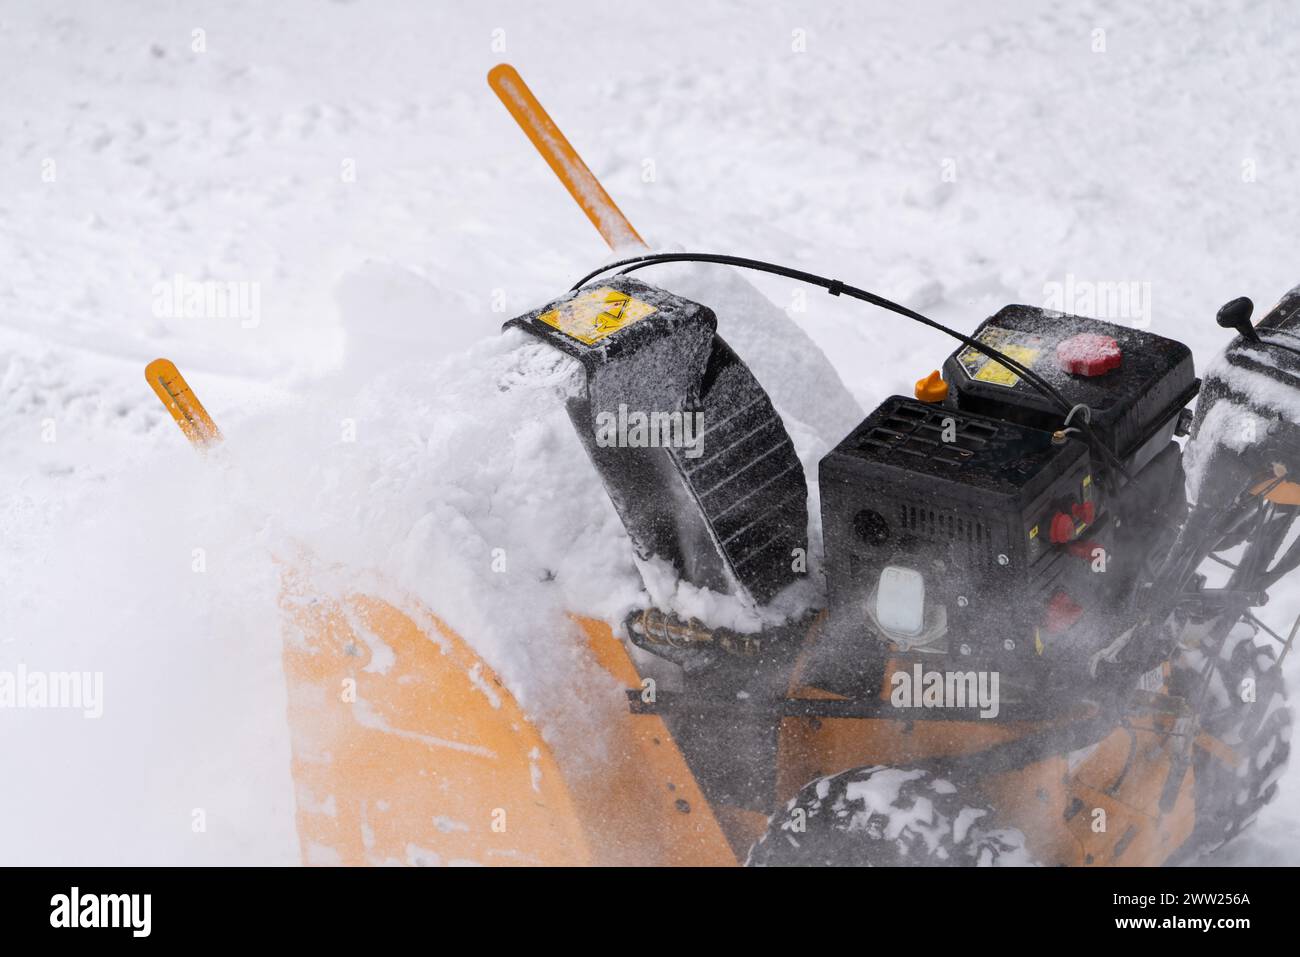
(431, 761)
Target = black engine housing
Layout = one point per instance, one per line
(1027, 547)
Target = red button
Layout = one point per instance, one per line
(1084, 511)
(1062, 528)
(1088, 354)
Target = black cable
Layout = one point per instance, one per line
(837, 288)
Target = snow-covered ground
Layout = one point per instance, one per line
(346, 163)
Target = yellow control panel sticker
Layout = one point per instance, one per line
(595, 315)
(998, 374)
(1023, 349)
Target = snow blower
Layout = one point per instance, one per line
(1019, 657)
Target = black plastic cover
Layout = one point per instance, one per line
(1134, 407)
(728, 506)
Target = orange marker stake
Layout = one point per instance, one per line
(562, 158)
(174, 392)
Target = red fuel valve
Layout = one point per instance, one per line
(1061, 529)
(1088, 354)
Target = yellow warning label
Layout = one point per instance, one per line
(594, 315)
(996, 373)
(1020, 347)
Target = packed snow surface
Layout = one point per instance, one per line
(323, 215)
